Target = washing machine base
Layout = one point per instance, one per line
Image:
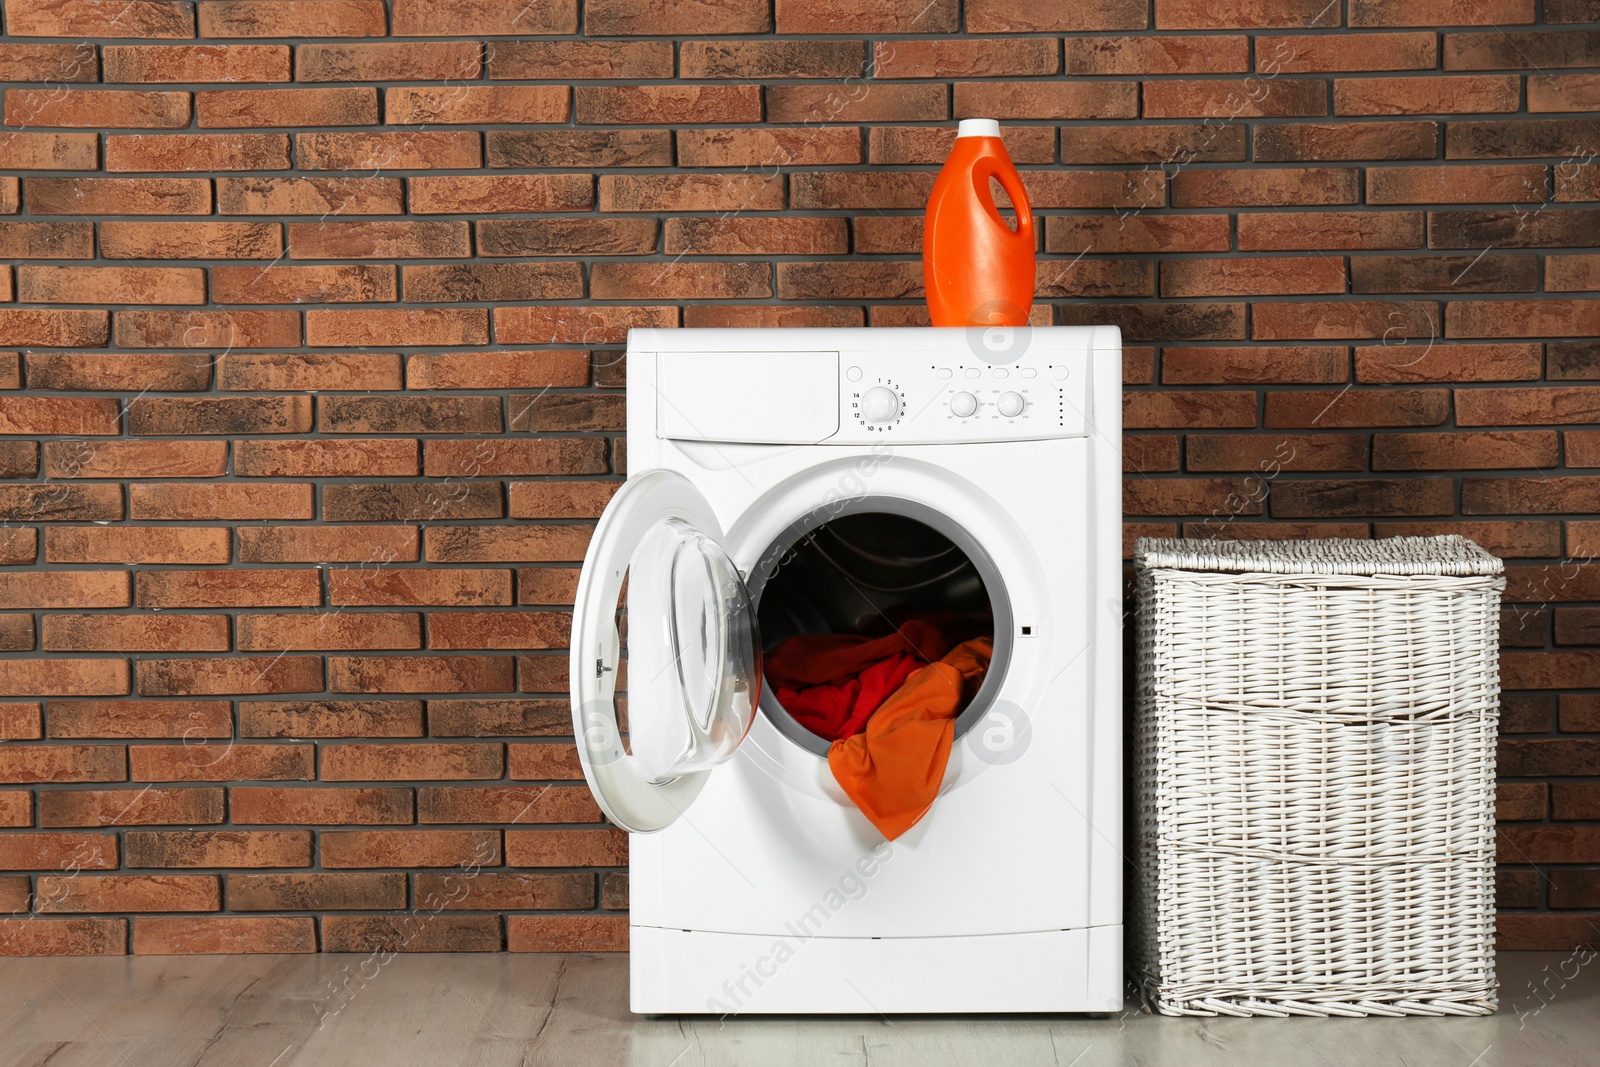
(685, 972)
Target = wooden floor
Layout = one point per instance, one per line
(273, 1011)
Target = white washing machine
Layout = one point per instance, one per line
(785, 481)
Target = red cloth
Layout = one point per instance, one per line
(835, 711)
(894, 768)
(834, 659)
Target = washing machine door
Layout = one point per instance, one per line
(693, 658)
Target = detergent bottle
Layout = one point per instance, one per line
(976, 269)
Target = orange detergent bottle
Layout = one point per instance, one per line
(976, 269)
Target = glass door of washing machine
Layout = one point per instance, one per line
(656, 571)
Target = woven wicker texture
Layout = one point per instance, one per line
(1314, 740)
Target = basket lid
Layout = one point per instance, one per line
(1449, 554)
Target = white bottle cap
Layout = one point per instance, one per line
(978, 128)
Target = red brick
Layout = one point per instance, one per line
(1226, 99)
(64, 589)
(505, 804)
(410, 502)
(1102, 55)
(135, 633)
(235, 108)
(868, 16)
(1492, 183)
(1529, 496)
(420, 674)
(1583, 448)
(1427, 95)
(519, 891)
(331, 718)
(227, 935)
(771, 315)
(542, 674)
(1375, 497)
(30, 61)
(544, 585)
(29, 936)
(315, 892)
(196, 151)
(1137, 233)
(1549, 844)
(47, 240)
(1275, 187)
(60, 676)
(1527, 407)
(1171, 321)
(474, 104)
(63, 763)
(136, 544)
(328, 631)
(1248, 14)
(769, 148)
(410, 326)
(136, 459)
(521, 718)
(229, 761)
(1282, 142)
(1358, 408)
(120, 371)
(141, 718)
(1440, 12)
(1330, 230)
(90, 18)
(1258, 364)
(559, 500)
(55, 328)
(690, 192)
(218, 848)
(1270, 454)
(1192, 496)
(384, 151)
(219, 500)
(1355, 319)
(1522, 801)
(51, 151)
(378, 240)
(429, 932)
(308, 196)
(16, 810)
(1437, 274)
(1326, 52)
(97, 108)
(1563, 92)
(322, 459)
(932, 144)
(19, 721)
(1037, 100)
(666, 104)
(1122, 144)
(19, 545)
(501, 193)
(318, 544)
(1464, 451)
(239, 674)
(144, 806)
(257, 805)
(565, 60)
(1252, 276)
(480, 629)
(577, 324)
(1489, 139)
(191, 240)
(128, 892)
(1571, 273)
(111, 285)
(291, 18)
(622, 18)
(471, 18)
(405, 762)
(498, 370)
(544, 761)
(579, 148)
(312, 371)
(409, 848)
(34, 851)
(571, 933)
(393, 61)
(1434, 362)
(207, 329)
(228, 588)
(411, 414)
(196, 63)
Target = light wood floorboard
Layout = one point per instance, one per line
(510, 1010)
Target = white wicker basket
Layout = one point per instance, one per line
(1315, 733)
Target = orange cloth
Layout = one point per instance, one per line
(833, 659)
(894, 768)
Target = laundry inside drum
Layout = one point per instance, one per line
(852, 610)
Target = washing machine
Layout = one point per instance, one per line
(791, 481)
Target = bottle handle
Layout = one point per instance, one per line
(1011, 182)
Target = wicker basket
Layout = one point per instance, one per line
(1315, 734)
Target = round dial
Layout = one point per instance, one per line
(1010, 404)
(963, 405)
(880, 404)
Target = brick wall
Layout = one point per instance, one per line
(310, 325)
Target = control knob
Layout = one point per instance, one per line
(1010, 404)
(880, 404)
(962, 405)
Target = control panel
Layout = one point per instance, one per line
(863, 385)
(919, 398)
